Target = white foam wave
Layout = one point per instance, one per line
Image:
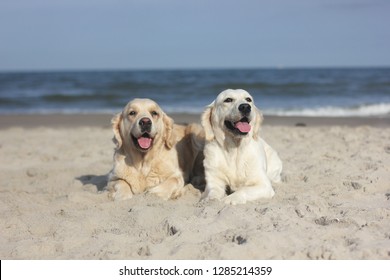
(374, 110)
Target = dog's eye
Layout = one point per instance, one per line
(132, 113)
(248, 99)
(228, 100)
(154, 114)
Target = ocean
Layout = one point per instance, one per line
(283, 92)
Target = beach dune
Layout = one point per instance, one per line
(333, 201)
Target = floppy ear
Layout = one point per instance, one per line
(169, 138)
(116, 122)
(206, 123)
(259, 121)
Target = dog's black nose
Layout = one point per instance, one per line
(244, 108)
(145, 124)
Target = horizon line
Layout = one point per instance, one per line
(124, 69)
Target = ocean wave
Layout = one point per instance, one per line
(302, 86)
(296, 92)
(66, 97)
(371, 110)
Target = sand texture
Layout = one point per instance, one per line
(333, 203)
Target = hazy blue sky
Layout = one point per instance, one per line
(133, 34)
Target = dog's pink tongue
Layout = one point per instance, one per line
(144, 142)
(244, 127)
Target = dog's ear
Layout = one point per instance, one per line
(116, 123)
(169, 137)
(258, 122)
(207, 124)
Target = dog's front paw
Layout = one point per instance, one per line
(120, 190)
(159, 192)
(234, 199)
(213, 194)
(165, 192)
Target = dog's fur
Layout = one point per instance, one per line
(239, 164)
(153, 154)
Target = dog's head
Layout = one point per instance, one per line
(142, 125)
(232, 114)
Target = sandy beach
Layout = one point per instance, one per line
(333, 202)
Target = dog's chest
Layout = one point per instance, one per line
(239, 171)
(153, 178)
(158, 171)
(149, 175)
(237, 167)
(140, 177)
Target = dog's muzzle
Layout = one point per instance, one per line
(145, 124)
(245, 109)
(145, 141)
(241, 127)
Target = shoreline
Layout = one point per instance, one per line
(104, 120)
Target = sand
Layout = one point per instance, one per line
(333, 203)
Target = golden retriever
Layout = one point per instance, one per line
(239, 165)
(152, 153)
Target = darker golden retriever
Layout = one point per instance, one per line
(153, 154)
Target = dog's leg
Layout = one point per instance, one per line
(215, 189)
(274, 163)
(246, 194)
(119, 190)
(251, 193)
(171, 188)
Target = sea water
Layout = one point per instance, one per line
(284, 92)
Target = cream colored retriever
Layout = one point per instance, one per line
(152, 153)
(239, 164)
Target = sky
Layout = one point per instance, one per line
(188, 34)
